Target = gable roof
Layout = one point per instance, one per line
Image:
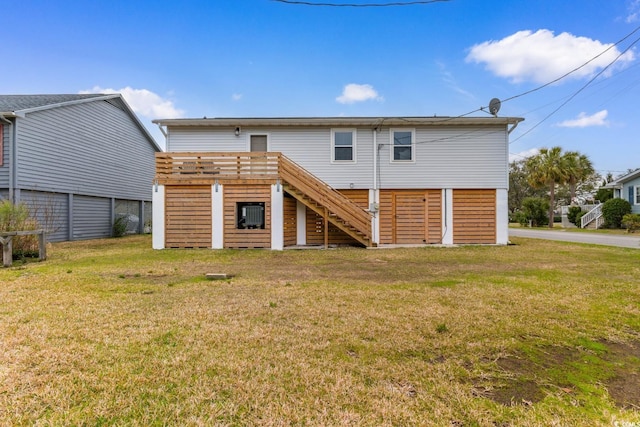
(19, 105)
(617, 183)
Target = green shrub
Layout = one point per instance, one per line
(613, 210)
(573, 213)
(120, 226)
(16, 217)
(534, 210)
(631, 222)
(579, 218)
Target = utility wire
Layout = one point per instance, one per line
(406, 3)
(579, 90)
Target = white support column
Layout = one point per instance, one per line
(374, 208)
(277, 217)
(502, 216)
(301, 223)
(217, 216)
(447, 215)
(157, 230)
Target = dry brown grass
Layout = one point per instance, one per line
(111, 332)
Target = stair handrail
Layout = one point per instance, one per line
(593, 214)
(321, 192)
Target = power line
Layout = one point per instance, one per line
(579, 90)
(406, 3)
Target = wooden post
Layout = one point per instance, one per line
(7, 250)
(326, 228)
(42, 246)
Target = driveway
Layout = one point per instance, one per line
(623, 241)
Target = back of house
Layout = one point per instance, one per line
(281, 182)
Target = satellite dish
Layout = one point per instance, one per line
(494, 106)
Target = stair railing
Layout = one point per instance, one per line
(325, 195)
(594, 214)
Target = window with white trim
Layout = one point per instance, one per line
(343, 145)
(637, 198)
(403, 143)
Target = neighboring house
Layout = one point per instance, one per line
(279, 182)
(628, 187)
(78, 161)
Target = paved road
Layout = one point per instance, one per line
(624, 241)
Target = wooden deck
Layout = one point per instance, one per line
(253, 169)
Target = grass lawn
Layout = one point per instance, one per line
(110, 332)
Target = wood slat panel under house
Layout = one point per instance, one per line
(474, 216)
(188, 216)
(315, 222)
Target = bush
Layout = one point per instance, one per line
(16, 217)
(120, 226)
(573, 213)
(579, 218)
(631, 222)
(534, 210)
(613, 210)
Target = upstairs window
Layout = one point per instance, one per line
(343, 143)
(1, 151)
(402, 145)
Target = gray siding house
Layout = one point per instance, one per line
(78, 162)
(372, 181)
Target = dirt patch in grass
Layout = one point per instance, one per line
(624, 386)
(526, 378)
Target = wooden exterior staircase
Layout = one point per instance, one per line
(333, 206)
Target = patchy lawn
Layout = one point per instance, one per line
(110, 332)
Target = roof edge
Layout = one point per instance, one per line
(337, 121)
(21, 113)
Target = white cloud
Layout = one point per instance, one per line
(236, 97)
(144, 102)
(523, 154)
(633, 10)
(542, 56)
(583, 121)
(449, 80)
(353, 93)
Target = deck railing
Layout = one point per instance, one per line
(211, 166)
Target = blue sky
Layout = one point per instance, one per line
(257, 58)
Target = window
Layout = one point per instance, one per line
(343, 142)
(637, 198)
(250, 215)
(402, 145)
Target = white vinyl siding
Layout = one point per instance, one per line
(343, 145)
(469, 157)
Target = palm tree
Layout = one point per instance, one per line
(546, 169)
(579, 168)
